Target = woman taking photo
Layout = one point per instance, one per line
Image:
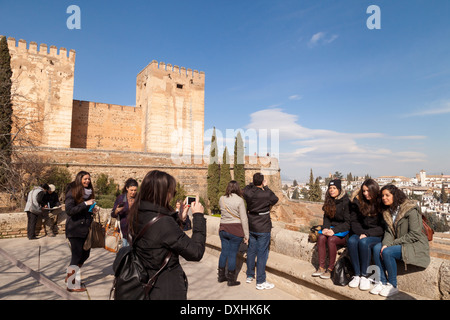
(403, 239)
(367, 229)
(79, 198)
(336, 224)
(156, 191)
(233, 229)
(122, 206)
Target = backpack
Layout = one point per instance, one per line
(131, 280)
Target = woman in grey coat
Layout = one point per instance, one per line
(233, 229)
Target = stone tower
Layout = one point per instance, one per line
(42, 92)
(172, 102)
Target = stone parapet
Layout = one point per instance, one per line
(295, 258)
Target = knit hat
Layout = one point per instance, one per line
(52, 187)
(336, 183)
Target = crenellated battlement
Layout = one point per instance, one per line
(32, 48)
(175, 70)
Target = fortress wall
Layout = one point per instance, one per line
(172, 99)
(105, 126)
(42, 92)
(121, 165)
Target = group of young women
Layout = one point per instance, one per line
(376, 225)
(379, 225)
(135, 210)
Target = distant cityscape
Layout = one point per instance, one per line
(427, 189)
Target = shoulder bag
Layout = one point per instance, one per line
(427, 229)
(131, 280)
(113, 236)
(96, 235)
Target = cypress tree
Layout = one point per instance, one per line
(239, 160)
(225, 175)
(6, 109)
(311, 186)
(213, 175)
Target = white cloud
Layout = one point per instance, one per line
(295, 97)
(321, 38)
(442, 107)
(328, 149)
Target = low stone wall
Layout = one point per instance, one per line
(432, 283)
(14, 225)
(289, 248)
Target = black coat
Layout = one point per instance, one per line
(371, 226)
(79, 218)
(165, 235)
(259, 201)
(341, 220)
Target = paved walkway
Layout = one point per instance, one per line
(35, 270)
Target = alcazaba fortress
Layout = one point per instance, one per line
(121, 141)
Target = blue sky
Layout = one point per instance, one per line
(341, 96)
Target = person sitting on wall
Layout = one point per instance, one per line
(335, 228)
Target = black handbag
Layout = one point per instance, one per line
(343, 271)
(131, 280)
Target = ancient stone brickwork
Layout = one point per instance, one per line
(42, 91)
(121, 165)
(121, 141)
(105, 126)
(172, 100)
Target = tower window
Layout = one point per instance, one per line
(179, 86)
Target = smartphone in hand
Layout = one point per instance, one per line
(92, 206)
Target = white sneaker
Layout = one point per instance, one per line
(355, 282)
(364, 284)
(249, 279)
(377, 289)
(265, 285)
(388, 290)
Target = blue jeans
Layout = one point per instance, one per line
(360, 251)
(388, 262)
(258, 248)
(230, 247)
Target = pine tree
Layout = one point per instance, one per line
(225, 175)
(213, 175)
(239, 161)
(5, 107)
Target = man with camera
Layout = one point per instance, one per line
(259, 200)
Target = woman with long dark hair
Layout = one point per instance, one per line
(79, 198)
(233, 229)
(156, 191)
(367, 229)
(122, 206)
(335, 228)
(403, 239)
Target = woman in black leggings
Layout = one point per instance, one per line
(79, 198)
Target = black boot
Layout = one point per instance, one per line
(221, 275)
(231, 275)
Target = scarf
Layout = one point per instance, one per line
(87, 193)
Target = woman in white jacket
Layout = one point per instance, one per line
(233, 229)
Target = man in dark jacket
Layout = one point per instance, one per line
(259, 200)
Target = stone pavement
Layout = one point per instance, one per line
(35, 270)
